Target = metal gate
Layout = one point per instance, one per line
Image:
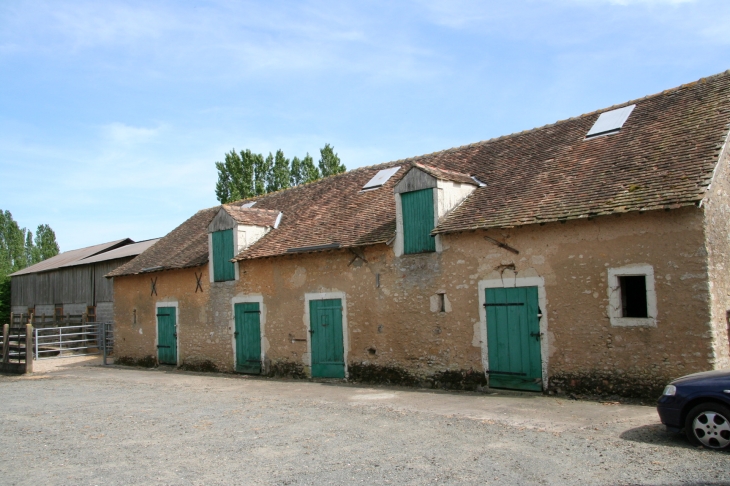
(77, 340)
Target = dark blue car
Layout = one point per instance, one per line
(699, 404)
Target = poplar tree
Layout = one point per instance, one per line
(244, 175)
(45, 243)
(280, 173)
(268, 172)
(17, 251)
(229, 176)
(295, 174)
(310, 173)
(329, 162)
(260, 174)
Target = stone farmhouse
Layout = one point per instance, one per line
(590, 255)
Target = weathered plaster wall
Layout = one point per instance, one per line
(717, 228)
(398, 333)
(201, 337)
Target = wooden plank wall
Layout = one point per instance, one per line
(82, 284)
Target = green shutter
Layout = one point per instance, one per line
(418, 221)
(223, 269)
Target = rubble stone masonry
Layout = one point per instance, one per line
(397, 333)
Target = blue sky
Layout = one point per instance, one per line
(113, 113)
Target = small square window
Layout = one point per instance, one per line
(631, 295)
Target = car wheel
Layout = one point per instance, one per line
(707, 424)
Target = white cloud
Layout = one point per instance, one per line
(119, 133)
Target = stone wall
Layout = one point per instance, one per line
(717, 228)
(396, 334)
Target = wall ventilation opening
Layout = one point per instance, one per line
(610, 122)
(633, 296)
(380, 179)
(442, 302)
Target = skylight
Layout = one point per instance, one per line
(248, 205)
(380, 178)
(610, 121)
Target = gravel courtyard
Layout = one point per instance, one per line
(94, 425)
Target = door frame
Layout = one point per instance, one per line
(249, 299)
(177, 329)
(514, 282)
(308, 325)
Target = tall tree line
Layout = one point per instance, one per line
(20, 249)
(245, 174)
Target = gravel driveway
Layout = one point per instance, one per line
(94, 425)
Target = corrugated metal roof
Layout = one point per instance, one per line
(130, 250)
(68, 257)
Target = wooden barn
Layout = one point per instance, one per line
(72, 283)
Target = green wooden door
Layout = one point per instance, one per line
(328, 357)
(417, 207)
(166, 336)
(223, 269)
(513, 338)
(248, 338)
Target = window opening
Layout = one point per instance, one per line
(442, 302)
(633, 296)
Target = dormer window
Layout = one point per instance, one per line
(422, 197)
(232, 230)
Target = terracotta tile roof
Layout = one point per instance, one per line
(446, 175)
(252, 216)
(663, 157)
(330, 211)
(185, 246)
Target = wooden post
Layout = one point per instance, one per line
(6, 343)
(29, 348)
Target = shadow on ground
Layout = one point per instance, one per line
(657, 434)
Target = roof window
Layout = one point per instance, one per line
(610, 122)
(380, 178)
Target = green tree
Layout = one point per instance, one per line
(17, 251)
(12, 245)
(261, 170)
(235, 176)
(329, 162)
(310, 173)
(295, 173)
(228, 171)
(280, 173)
(45, 243)
(248, 186)
(247, 174)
